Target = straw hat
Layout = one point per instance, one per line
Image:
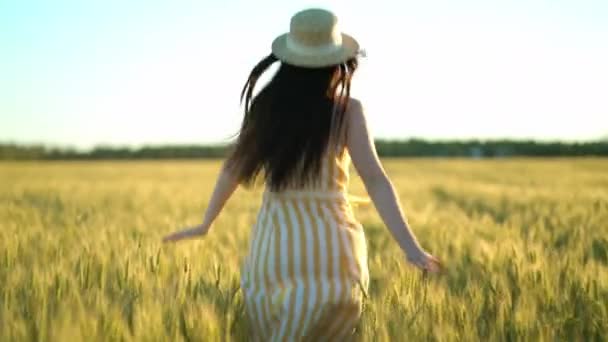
(314, 40)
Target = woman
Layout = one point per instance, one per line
(306, 271)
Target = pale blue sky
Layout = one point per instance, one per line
(83, 73)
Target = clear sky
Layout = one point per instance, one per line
(82, 73)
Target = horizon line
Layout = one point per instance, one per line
(220, 143)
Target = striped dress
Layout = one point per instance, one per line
(306, 272)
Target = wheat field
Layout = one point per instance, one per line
(525, 243)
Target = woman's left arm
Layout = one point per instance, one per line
(225, 186)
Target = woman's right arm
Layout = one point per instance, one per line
(362, 149)
(225, 185)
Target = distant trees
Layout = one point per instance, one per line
(12, 151)
(496, 148)
(386, 148)
(39, 152)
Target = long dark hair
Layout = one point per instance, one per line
(291, 123)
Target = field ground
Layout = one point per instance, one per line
(525, 242)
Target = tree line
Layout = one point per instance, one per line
(385, 148)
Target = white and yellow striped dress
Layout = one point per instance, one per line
(306, 272)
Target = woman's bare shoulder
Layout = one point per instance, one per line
(354, 103)
(355, 112)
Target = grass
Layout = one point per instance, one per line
(525, 242)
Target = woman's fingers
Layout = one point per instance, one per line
(433, 264)
(172, 237)
(185, 234)
(428, 263)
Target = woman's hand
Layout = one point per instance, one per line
(191, 233)
(426, 262)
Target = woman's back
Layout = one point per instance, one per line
(334, 173)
